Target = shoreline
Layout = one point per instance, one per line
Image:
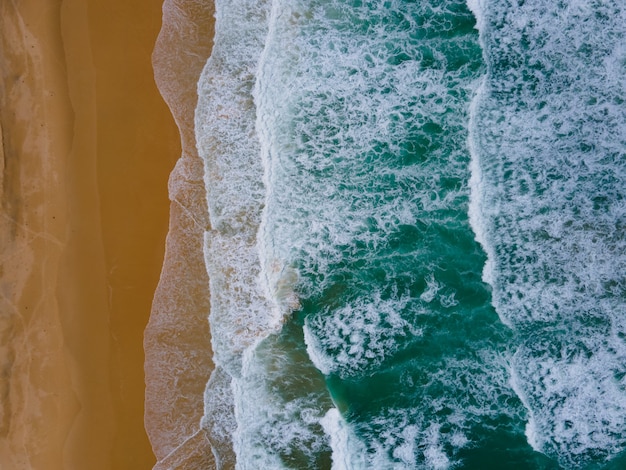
(87, 146)
(177, 371)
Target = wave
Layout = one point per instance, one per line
(365, 241)
(548, 142)
(357, 156)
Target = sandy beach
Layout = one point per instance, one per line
(87, 147)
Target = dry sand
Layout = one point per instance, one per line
(87, 146)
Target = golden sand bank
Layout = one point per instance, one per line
(87, 145)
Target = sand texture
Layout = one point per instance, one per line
(87, 146)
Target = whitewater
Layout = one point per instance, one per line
(417, 242)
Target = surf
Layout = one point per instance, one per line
(547, 138)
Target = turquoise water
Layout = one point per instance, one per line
(416, 252)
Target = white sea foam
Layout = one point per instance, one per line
(476, 218)
(431, 432)
(477, 8)
(357, 336)
(276, 433)
(575, 391)
(348, 451)
(328, 109)
(219, 417)
(333, 110)
(240, 314)
(225, 117)
(279, 406)
(400, 443)
(548, 143)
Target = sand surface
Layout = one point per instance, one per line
(87, 144)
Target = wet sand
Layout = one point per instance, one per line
(177, 339)
(87, 146)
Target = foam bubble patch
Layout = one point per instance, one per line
(548, 176)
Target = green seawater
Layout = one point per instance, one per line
(392, 354)
(369, 175)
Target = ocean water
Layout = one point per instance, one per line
(416, 254)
